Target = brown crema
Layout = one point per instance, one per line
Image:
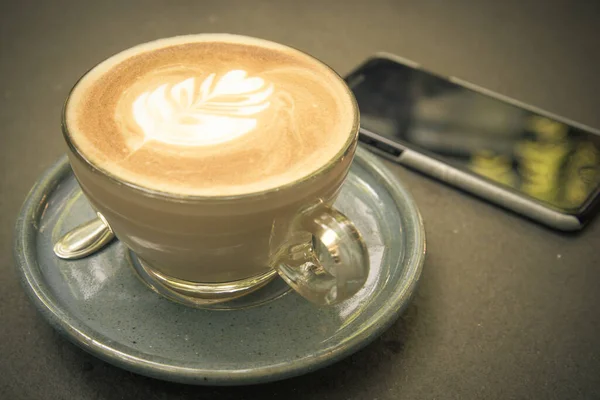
(210, 115)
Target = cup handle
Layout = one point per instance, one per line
(325, 258)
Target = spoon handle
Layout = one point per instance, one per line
(84, 240)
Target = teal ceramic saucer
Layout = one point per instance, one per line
(101, 306)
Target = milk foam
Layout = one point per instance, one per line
(205, 112)
(210, 115)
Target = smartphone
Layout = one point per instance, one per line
(515, 155)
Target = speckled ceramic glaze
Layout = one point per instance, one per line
(100, 304)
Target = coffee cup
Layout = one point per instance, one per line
(216, 159)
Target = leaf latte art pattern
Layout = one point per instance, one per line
(202, 113)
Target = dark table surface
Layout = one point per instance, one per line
(506, 308)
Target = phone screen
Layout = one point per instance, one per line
(545, 159)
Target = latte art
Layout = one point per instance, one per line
(210, 115)
(201, 113)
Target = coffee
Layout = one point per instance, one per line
(167, 139)
(210, 115)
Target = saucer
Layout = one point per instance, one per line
(100, 305)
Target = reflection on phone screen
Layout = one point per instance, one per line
(543, 158)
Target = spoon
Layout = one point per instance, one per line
(85, 239)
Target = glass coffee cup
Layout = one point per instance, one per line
(139, 152)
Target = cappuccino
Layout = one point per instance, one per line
(210, 115)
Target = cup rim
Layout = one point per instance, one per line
(352, 138)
